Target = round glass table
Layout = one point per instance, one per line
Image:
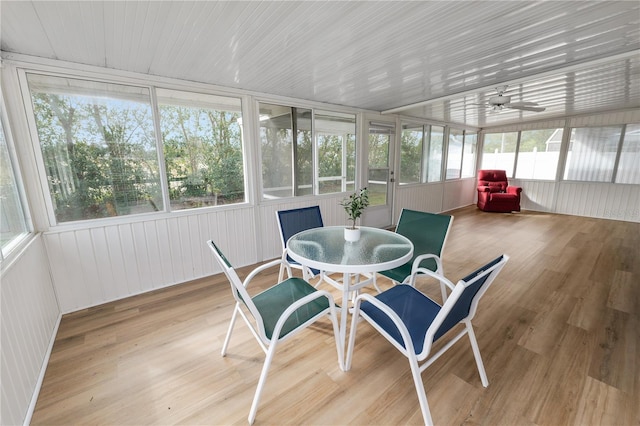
(326, 249)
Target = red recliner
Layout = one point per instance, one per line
(495, 194)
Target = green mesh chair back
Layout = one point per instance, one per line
(428, 233)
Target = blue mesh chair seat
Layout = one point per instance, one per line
(412, 321)
(276, 313)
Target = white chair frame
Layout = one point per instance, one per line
(408, 349)
(267, 345)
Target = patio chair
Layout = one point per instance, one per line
(290, 222)
(412, 322)
(428, 232)
(276, 314)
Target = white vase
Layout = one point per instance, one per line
(351, 234)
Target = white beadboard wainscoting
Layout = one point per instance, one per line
(537, 195)
(601, 200)
(435, 197)
(104, 263)
(29, 317)
(591, 199)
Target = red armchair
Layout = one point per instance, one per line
(495, 194)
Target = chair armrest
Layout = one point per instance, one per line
(416, 269)
(514, 190)
(419, 259)
(484, 189)
(275, 262)
(297, 305)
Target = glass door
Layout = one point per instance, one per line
(380, 177)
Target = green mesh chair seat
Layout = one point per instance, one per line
(272, 303)
(276, 313)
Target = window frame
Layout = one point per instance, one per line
(561, 168)
(46, 197)
(315, 160)
(425, 154)
(18, 241)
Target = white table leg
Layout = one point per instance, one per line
(346, 280)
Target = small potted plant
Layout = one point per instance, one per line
(354, 205)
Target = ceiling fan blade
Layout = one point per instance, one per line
(525, 107)
(529, 104)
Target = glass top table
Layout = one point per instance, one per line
(326, 249)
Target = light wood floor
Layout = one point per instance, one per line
(559, 332)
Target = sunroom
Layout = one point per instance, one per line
(132, 132)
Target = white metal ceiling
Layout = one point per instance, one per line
(569, 56)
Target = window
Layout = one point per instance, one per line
(629, 165)
(381, 137)
(98, 147)
(421, 153)
(592, 153)
(336, 140)
(499, 151)
(13, 222)
(538, 154)
(454, 153)
(287, 164)
(434, 153)
(411, 153)
(292, 165)
(202, 146)
(469, 154)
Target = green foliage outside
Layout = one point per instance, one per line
(101, 158)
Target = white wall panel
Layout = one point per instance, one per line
(458, 193)
(104, 263)
(427, 197)
(28, 316)
(536, 195)
(601, 200)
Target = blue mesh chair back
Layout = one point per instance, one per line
(290, 222)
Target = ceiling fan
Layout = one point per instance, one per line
(502, 101)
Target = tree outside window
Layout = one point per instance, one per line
(98, 147)
(202, 146)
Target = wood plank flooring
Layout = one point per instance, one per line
(559, 333)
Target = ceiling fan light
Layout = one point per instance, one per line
(499, 100)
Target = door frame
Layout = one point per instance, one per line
(377, 216)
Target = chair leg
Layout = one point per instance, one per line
(443, 290)
(476, 354)
(262, 380)
(231, 325)
(336, 334)
(422, 395)
(375, 282)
